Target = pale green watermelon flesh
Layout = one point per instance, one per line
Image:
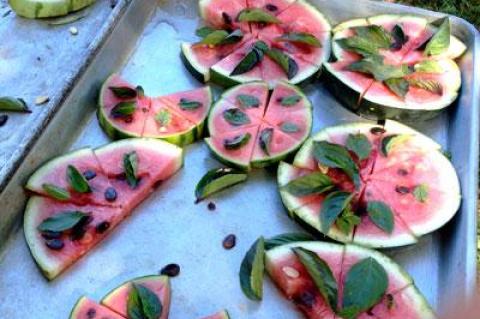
(222, 14)
(89, 309)
(220, 315)
(117, 299)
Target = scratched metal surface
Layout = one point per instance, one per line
(168, 227)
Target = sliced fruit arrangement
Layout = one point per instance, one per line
(394, 66)
(144, 297)
(125, 111)
(250, 129)
(80, 197)
(378, 186)
(46, 8)
(249, 40)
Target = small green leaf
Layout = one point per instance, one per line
(321, 275)
(287, 238)
(11, 104)
(347, 221)
(251, 271)
(233, 37)
(123, 109)
(399, 38)
(204, 31)
(391, 141)
(289, 127)
(358, 45)
(375, 66)
(290, 100)
(427, 85)
(123, 92)
(218, 180)
(237, 142)
(440, 41)
(62, 221)
(77, 181)
(265, 139)
(300, 37)
(251, 59)
(186, 104)
(247, 101)
(56, 192)
(256, 15)
(313, 183)
(365, 285)
(381, 215)
(428, 66)
(333, 205)
(236, 117)
(288, 65)
(377, 35)
(399, 86)
(143, 303)
(360, 145)
(130, 167)
(163, 117)
(421, 193)
(215, 37)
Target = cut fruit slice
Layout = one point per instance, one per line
(117, 299)
(302, 16)
(87, 309)
(222, 14)
(45, 8)
(342, 31)
(220, 315)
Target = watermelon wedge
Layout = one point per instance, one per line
(220, 315)
(294, 28)
(401, 300)
(86, 308)
(415, 85)
(177, 118)
(45, 8)
(404, 169)
(271, 127)
(59, 232)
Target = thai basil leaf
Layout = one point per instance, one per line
(56, 192)
(301, 37)
(251, 271)
(256, 15)
(288, 65)
(123, 92)
(11, 104)
(289, 127)
(130, 167)
(428, 66)
(347, 221)
(399, 38)
(399, 86)
(186, 104)
(123, 109)
(62, 221)
(142, 303)
(237, 142)
(265, 139)
(421, 193)
(360, 145)
(251, 60)
(217, 180)
(287, 238)
(358, 45)
(204, 31)
(236, 117)
(247, 101)
(333, 205)
(214, 38)
(440, 41)
(377, 35)
(427, 85)
(77, 181)
(314, 183)
(381, 215)
(290, 100)
(233, 37)
(374, 66)
(163, 117)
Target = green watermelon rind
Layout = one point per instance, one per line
(44, 8)
(77, 307)
(227, 160)
(199, 72)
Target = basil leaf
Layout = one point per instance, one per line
(77, 181)
(440, 41)
(56, 192)
(427, 85)
(289, 127)
(399, 38)
(287, 238)
(217, 180)
(123, 109)
(143, 303)
(313, 183)
(290, 100)
(428, 66)
(251, 271)
(381, 215)
(186, 104)
(130, 167)
(62, 221)
(215, 37)
(265, 139)
(377, 35)
(389, 142)
(251, 59)
(374, 66)
(301, 37)
(233, 37)
(365, 285)
(236, 117)
(321, 275)
(336, 156)
(247, 101)
(358, 45)
(288, 65)
(237, 142)
(360, 145)
(256, 15)
(421, 193)
(399, 86)
(11, 104)
(123, 92)
(163, 117)
(333, 205)
(347, 221)
(204, 31)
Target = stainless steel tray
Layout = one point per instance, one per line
(168, 227)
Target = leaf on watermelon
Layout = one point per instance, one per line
(265, 140)
(428, 85)
(288, 65)
(347, 220)
(287, 238)
(217, 180)
(428, 66)
(143, 303)
(251, 59)
(333, 206)
(375, 66)
(360, 145)
(358, 45)
(399, 86)
(251, 270)
(300, 37)
(130, 167)
(289, 127)
(163, 117)
(440, 41)
(233, 37)
(214, 38)
(186, 104)
(204, 31)
(59, 193)
(77, 181)
(399, 38)
(256, 15)
(62, 221)
(321, 275)
(247, 101)
(123, 109)
(236, 117)
(313, 183)
(123, 92)
(381, 215)
(375, 34)
(237, 142)
(290, 100)
(421, 193)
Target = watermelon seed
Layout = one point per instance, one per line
(211, 206)
(110, 194)
(229, 242)
(402, 190)
(128, 119)
(121, 177)
(102, 227)
(54, 244)
(390, 301)
(91, 313)
(226, 18)
(402, 172)
(290, 272)
(377, 130)
(3, 119)
(78, 232)
(51, 234)
(306, 299)
(170, 270)
(89, 174)
(271, 7)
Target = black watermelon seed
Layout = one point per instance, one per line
(3, 119)
(226, 18)
(157, 184)
(306, 299)
(128, 119)
(170, 270)
(211, 206)
(390, 301)
(55, 244)
(402, 190)
(91, 313)
(369, 312)
(230, 241)
(110, 194)
(89, 174)
(51, 234)
(271, 7)
(279, 100)
(121, 177)
(377, 130)
(402, 172)
(102, 227)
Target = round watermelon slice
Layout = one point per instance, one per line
(45, 8)
(404, 170)
(177, 118)
(401, 299)
(86, 308)
(248, 129)
(59, 232)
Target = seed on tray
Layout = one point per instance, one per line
(54, 244)
(102, 227)
(170, 270)
(73, 30)
(89, 174)
(230, 241)
(110, 194)
(211, 206)
(3, 119)
(42, 100)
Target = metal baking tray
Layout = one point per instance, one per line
(169, 227)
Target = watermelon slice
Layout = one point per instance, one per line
(276, 126)
(404, 169)
(45, 8)
(401, 300)
(94, 215)
(177, 118)
(219, 315)
(86, 308)
(222, 14)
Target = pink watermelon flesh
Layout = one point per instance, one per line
(174, 123)
(359, 82)
(294, 173)
(222, 14)
(302, 17)
(256, 89)
(347, 55)
(88, 309)
(197, 115)
(218, 124)
(279, 144)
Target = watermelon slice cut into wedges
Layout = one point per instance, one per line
(401, 300)
(86, 308)
(277, 126)
(410, 175)
(177, 118)
(55, 250)
(219, 315)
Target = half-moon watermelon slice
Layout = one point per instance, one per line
(404, 169)
(177, 118)
(401, 299)
(86, 308)
(271, 128)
